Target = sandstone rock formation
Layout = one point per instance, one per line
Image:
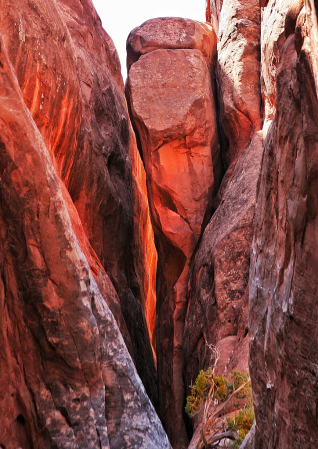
(69, 74)
(173, 111)
(66, 378)
(283, 307)
(238, 73)
(217, 312)
(213, 11)
(273, 38)
(171, 33)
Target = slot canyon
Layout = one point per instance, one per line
(161, 233)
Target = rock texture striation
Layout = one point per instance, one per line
(283, 309)
(173, 111)
(66, 377)
(61, 383)
(217, 312)
(69, 74)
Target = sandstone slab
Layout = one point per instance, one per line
(217, 313)
(69, 74)
(238, 75)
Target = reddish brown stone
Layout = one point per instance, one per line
(171, 33)
(69, 73)
(213, 12)
(66, 378)
(283, 295)
(273, 38)
(217, 311)
(238, 74)
(172, 106)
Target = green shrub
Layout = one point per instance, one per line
(222, 388)
(242, 423)
(239, 379)
(199, 391)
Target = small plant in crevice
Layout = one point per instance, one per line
(242, 424)
(215, 393)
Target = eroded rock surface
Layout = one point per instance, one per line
(273, 38)
(238, 74)
(217, 311)
(69, 74)
(283, 306)
(66, 377)
(172, 105)
(171, 33)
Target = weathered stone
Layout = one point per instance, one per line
(273, 38)
(213, 11)
(66, 378)
(238, 75)
(172, 106)
(217, 311)
(171, 33)
(283, 305)
(69, 74)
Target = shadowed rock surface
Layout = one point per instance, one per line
(283, 306)
(217, 312)
(69, 73)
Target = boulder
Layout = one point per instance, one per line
(171, 33)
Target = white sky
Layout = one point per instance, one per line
(119, 17)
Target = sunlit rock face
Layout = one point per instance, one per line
(69, 74)
(66, 376)
(169, 90)
(283, 305)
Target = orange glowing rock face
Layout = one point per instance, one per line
(169, 90)
(71, 82)
(69, 74)
(65, 372)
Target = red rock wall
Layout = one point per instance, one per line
(283, 310)
(66, 378)
(217, 311)
(69, 74)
